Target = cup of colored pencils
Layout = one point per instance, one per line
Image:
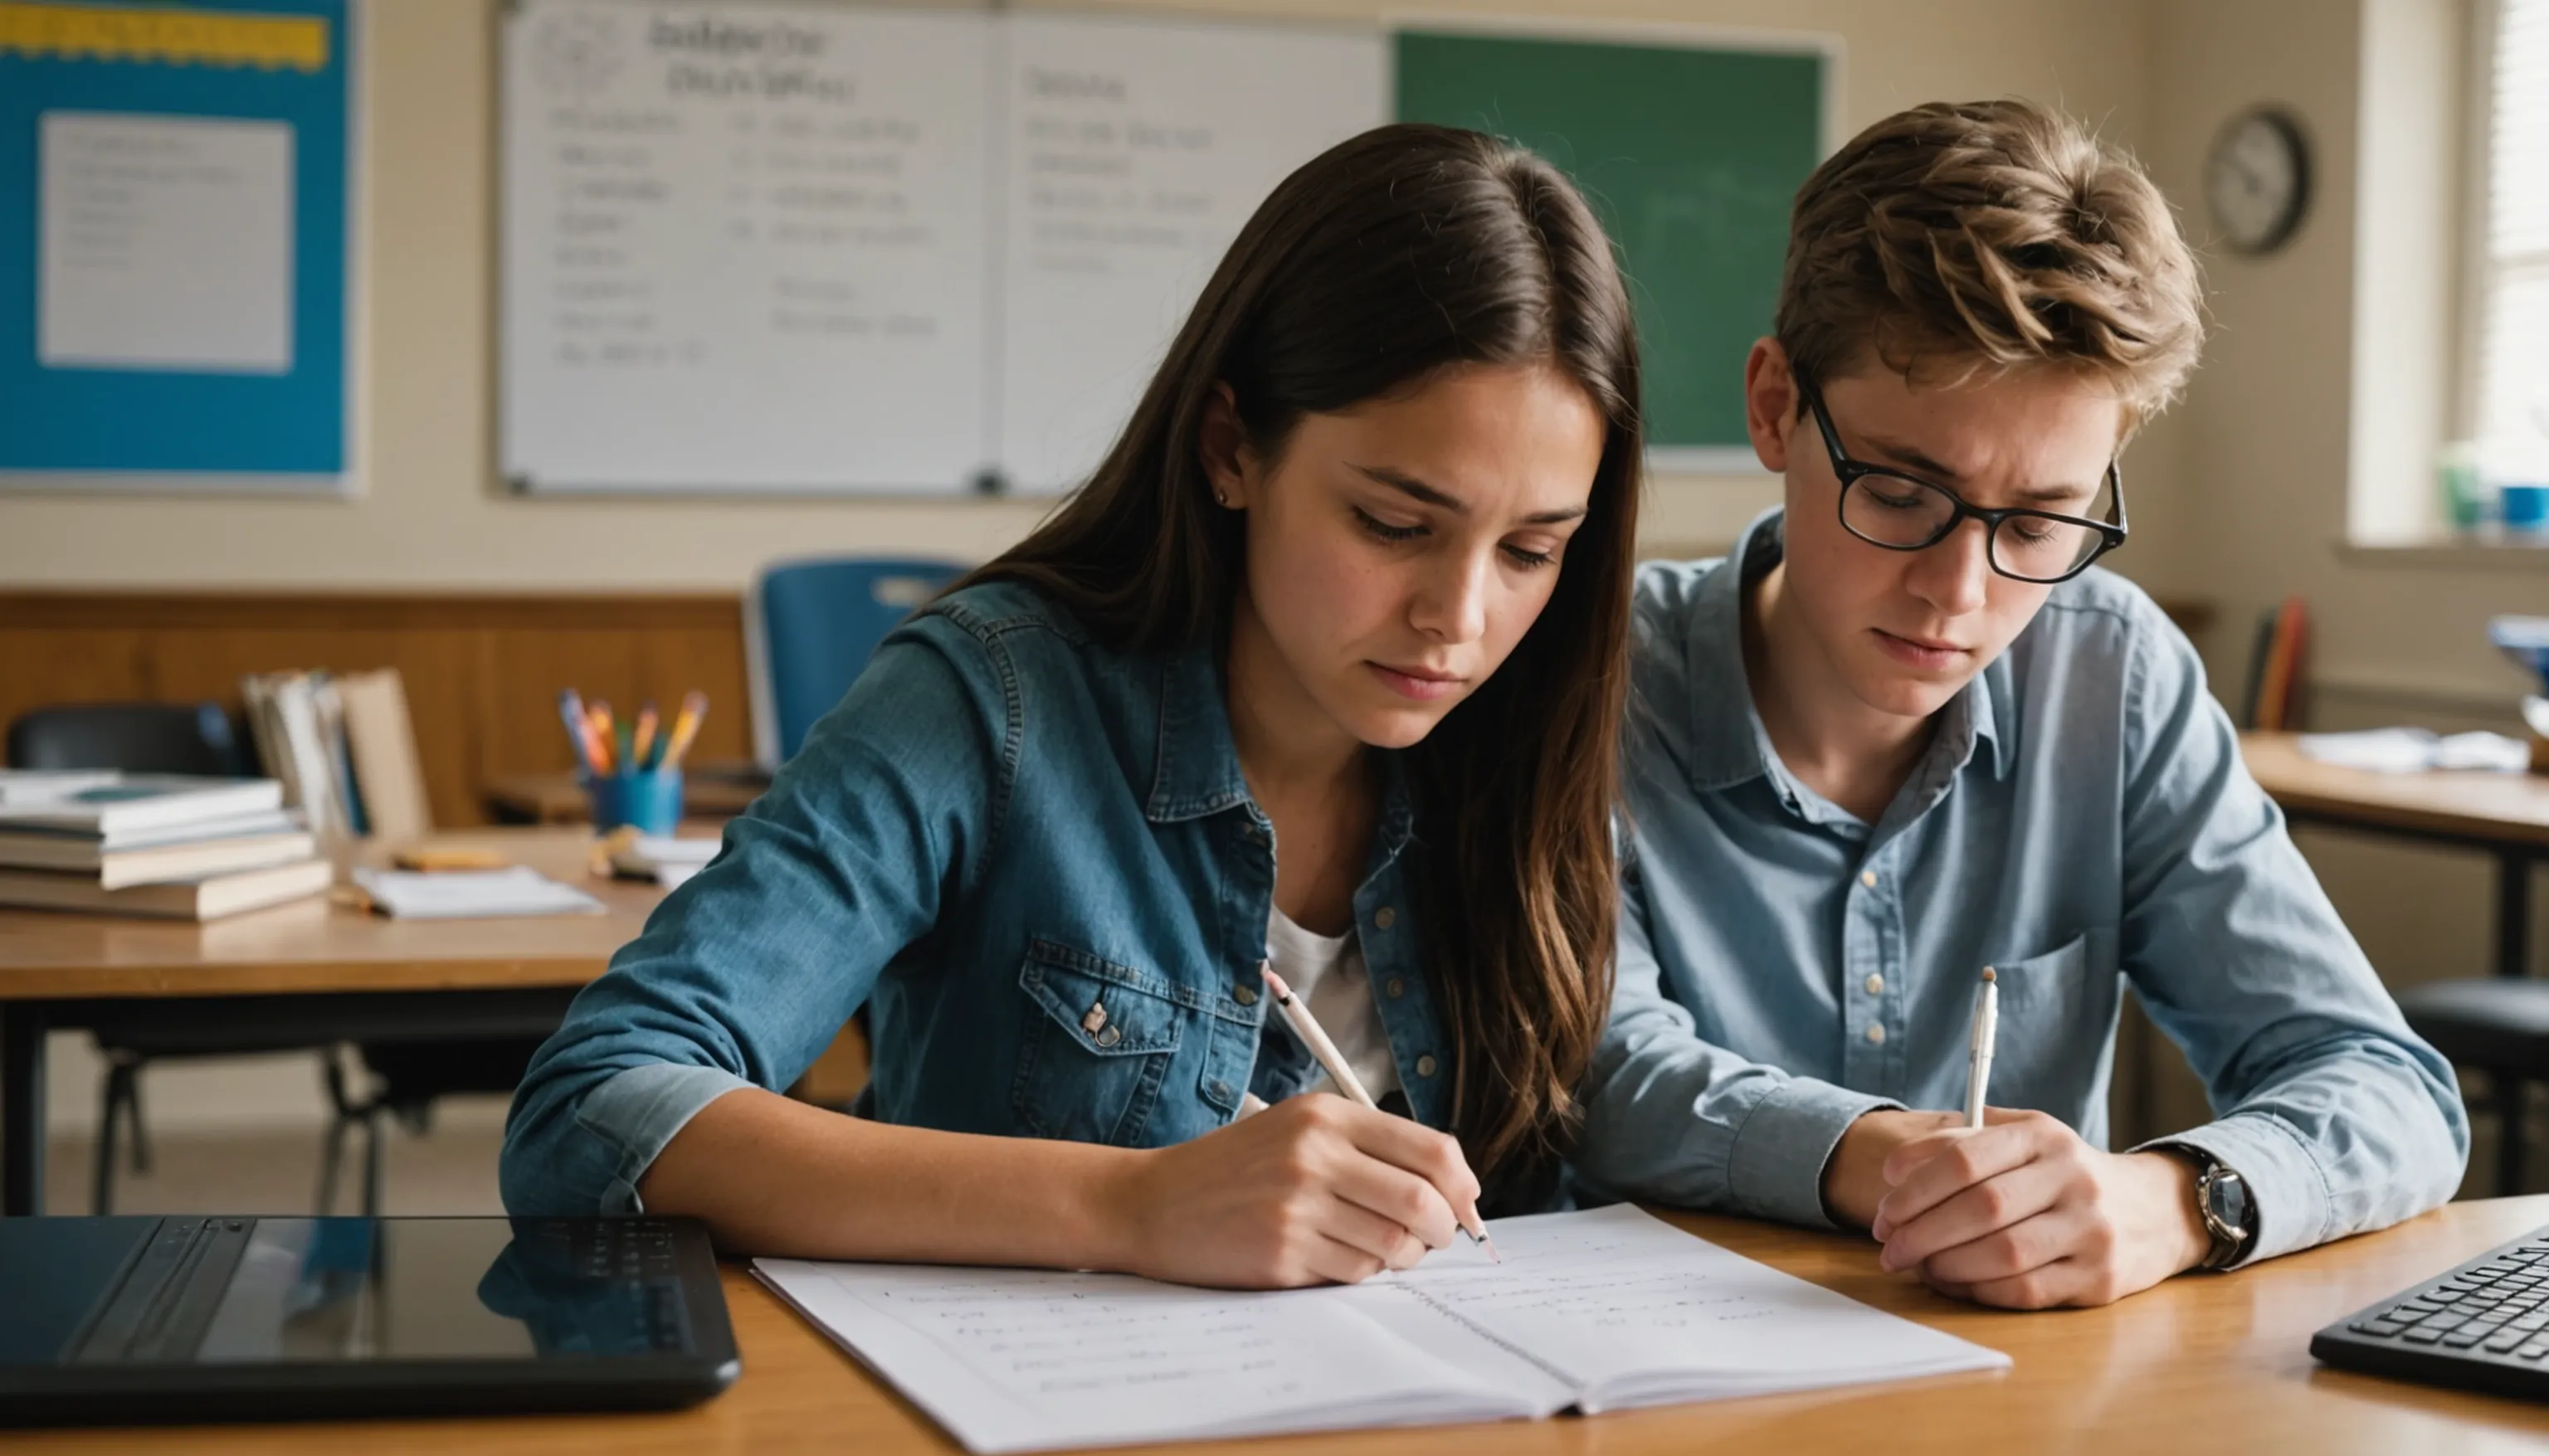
(631, 769)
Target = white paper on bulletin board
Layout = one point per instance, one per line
(1134, 150)
(744, 249)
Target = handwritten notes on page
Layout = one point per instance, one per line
(1590, 1311)
(1019, 1361)
(1633, 1312)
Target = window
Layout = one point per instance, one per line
(2514, 353)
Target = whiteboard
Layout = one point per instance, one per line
(1135, 150)
(744, 247)
(824, 249)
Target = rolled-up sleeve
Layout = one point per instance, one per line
(1672, 1119)
(745, 973)
(2337, 1116)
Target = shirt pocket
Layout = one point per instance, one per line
(2058, 1010)
(1098, 1041)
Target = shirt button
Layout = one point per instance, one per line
(1876, 986)
(1221, 1090)
(1384, 917)
(1244, 993)
(1875, 1035)
(1396, 988)
(1867, 877)
(1425, 1065)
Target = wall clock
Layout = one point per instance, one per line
(2256, 179)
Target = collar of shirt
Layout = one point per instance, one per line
(1196, 770)
(1731, 746)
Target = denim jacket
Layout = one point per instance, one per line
(1034, 859)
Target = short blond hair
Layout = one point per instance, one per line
(1952, 240)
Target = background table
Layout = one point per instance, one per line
(2505, 815)
(2201, 1363)
(342, 974)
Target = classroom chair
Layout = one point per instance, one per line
(135, 736)
(2500, 1027)
(808, 628)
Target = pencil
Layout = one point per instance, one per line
(637, 759)
(599, 720)
(685, 726)
(578, 732)
(1333, 1062)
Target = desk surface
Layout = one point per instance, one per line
(318, 946)
(2487, 810)
(2201, 1363)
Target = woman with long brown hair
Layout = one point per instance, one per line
(1322, 667)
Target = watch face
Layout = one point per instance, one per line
(2257, 181)
(2228, 1196)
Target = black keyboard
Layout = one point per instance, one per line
(2484, 1325)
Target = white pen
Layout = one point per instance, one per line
(1986, 1029)
(1333, 1062)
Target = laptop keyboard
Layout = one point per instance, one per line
(2497, 1306)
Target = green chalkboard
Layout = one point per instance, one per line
(1690, 154)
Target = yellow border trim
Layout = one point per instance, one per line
(164, 37)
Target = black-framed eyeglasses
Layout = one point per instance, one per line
(1904, 512)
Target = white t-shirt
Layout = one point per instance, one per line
(1327, 973)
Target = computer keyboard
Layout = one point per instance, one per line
(2484, 1325)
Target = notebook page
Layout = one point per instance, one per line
(1022, 1360)
(1634, 1312)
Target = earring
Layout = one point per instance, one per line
(1221, 499)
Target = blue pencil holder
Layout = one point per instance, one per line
(650, 802)
(2526, 508)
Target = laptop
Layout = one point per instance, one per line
(2484, 1325)
(150, 1320)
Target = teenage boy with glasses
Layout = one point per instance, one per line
(1904, 733)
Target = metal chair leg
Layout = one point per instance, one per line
(133, 1111)
(374, 1131)
(110, 1106)
(2511, 1097)
(332, 1151)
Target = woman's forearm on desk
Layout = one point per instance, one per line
(771, 1175)
(1315, 1190)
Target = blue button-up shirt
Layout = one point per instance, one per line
(2081, 820)
(1034, 858)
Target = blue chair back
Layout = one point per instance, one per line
(809, 629)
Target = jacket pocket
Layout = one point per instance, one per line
(1099, 1043)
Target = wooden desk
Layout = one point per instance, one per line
(2505, 815)
(2203, 1363)
(315, 964)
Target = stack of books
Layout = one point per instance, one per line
(156, 844)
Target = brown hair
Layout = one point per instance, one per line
(1988, 236)
(1384, 260)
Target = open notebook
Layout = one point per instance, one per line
(1590, 1312)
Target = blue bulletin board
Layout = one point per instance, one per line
(176, 211)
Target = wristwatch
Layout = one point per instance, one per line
(2222, 1203)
